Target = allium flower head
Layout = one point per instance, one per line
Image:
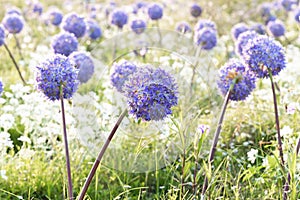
(64, 43)
(288, 4)
(297, 15)
(55, 74)
(122, 70)
(138, 26)
(151, 93)
(196, 10)
(119, 18)
(183, 27)
(258, 28)
(93, 29)
(264, 53)
(155, 11)
(266, 12)
(276, 28)
(13, 23)
(238, 29)
(243, 40)
(245, 80)
(74, 24)
(55, 17)
(206, 38)
(1, 87)
(2, 35)
(38, 8)
(205, 23)
(85, 65)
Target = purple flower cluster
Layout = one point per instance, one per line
(183, 27)
(266, 12)
(13, 23)
(119, 18)
(64, 43)
(258, 28)
(263, 54)
(93, 29)
(74, 24)
(236, 71)
(288, 4)
(85, 65)
(38, 8)
(242, 40)
(276, 28)
(122, 70)
(55, 75)
(196, 10)
(138, 26)
(151, 93)
(206, 38)
(155, 11)
(202, 23)
(238, 29)
(55, 17)
(2, 35)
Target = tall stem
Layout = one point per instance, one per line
(158, 30)
(70, 189)
(276, 119)
(18, 46)
(15, 63)
(217, 133)
(197, 54)
(100, 155)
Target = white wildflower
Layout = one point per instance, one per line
(252, 154)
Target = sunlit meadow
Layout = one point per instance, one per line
(166, 99)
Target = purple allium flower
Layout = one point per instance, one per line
(14, 10)
(141, 4)
(85, 65)
(243, 40)
(1, 87)
(266, 12)
(196, 10)
(238, 29)
(297, 15)
(151, 93)
(276, 28)
(138, 26)
(202, 23)
(57, 73)
(74, 24)
(2, 35)
(38, 8)
(13, 23)
(258, 28)
(155, 11)
(122, 70)
(93, 29)
(206, 38)
(119, 18)
(183, 27)
(235, 69)
(64, 43)
(55, 17)
(264, 53)
(288, 4)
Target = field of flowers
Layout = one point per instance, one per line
(167, 99)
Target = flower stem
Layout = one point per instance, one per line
(18, 46)
(276, 119)
(217, 133)
(197, 54)
(100, 155)
(15, 63)
(70, 190)
(158, 30)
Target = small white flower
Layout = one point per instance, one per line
(3, 174)
(286, 131)
(265, 162)
(252, 154)
(24, 139)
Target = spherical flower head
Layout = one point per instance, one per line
(55, 75)
(119, 18)
(2, 35)
(74, 24)
(55, 17)
(38, 8)
(235, 70)
(93, 29)
(138, 26)
(266, 12)
(288, 4)
(262, 54)
(1, 87)
(206, 38)
(196, 10)
(238, 29)
(258, 28)
(243, 40)
(122, 70)
(183, 27)
(64, 43)
(151, 93)
(205, 23)
(276, 28)
(155, 11)
(297, 15)
(84, 63)
(13, 23)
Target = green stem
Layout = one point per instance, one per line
(100, 155)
